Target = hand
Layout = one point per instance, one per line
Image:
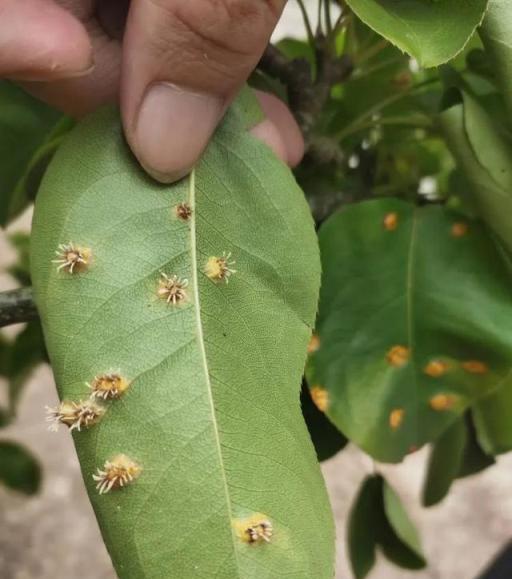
(174, 66)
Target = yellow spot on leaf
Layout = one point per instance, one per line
(109, 386)
(71, 258)
(435, 368)
(220, 268)
(475, 367)
(320, 397)
(254, 529)
(314, 344)
(183, 211)
(459, 229)
(396, 418)
(391, 221)
(442, 402)
(398, 356)
(116, 473)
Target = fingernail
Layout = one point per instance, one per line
(51, 73)
(172, 129)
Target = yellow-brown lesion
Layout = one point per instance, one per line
(398, 356)
(254, 529)
(75, 415)
(320, 397)
(459, 229)
(390, 221)
(475, 367)
(396, 418)
(220, 269)
(116, 473)
(436, 368)
(443, 402)
(72, 258)
(172, 289)
(109, 386)
(314, 344)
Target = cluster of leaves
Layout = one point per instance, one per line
(30, 132)
(409, 177)
(410, 345)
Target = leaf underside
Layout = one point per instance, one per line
(212, 413)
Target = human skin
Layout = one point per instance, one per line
(174, 66)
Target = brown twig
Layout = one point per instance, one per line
(17, 306)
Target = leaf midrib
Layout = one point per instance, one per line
(202, 352)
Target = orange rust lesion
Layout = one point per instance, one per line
(255, 529)
(475, 367)
(396, 418)
(314, 344)
(443, 402)
(220, 268)
(398, 356)
(320, 397)
(459, 229)
(390, 221)
(436, 368)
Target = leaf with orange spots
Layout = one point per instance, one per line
(411, 321)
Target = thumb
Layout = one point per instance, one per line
(183, 63)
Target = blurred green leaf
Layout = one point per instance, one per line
(496, 33)
(493, 420)
(474, 459)
(485, 155)
(445, 463)
(362, 540)
(327, 439)
(378, 519)
(431, 32)
(20, 270)
(25, 123)
(397, 535)
(403, 348)
(19, 470)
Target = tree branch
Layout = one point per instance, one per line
(17, 306)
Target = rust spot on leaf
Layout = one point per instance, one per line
(183, 211)
(459, 229)
(398, 356)
(396, 418)
(220, 268)
(72, 258)
(314, 344)
(109, 386)
(320, 397)
(442, 402)
(254, 529)
(116, 473)
(435, 368)
(391, 221)
(475, 367)
(172, 289)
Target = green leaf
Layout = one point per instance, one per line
(19, 470)
(400, 522)
(378, 519)
(404, 350)
(24, 125)
(431, 32)
(212, 413)
(475, 459)
(445, 463)
(493, 420)
(362, 539)
(22, 356)
(485, 155)
(496, 33)
(327, 439)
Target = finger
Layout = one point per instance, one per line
(41, 41)
(284, 136)
(183, 63)
(79, 96)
